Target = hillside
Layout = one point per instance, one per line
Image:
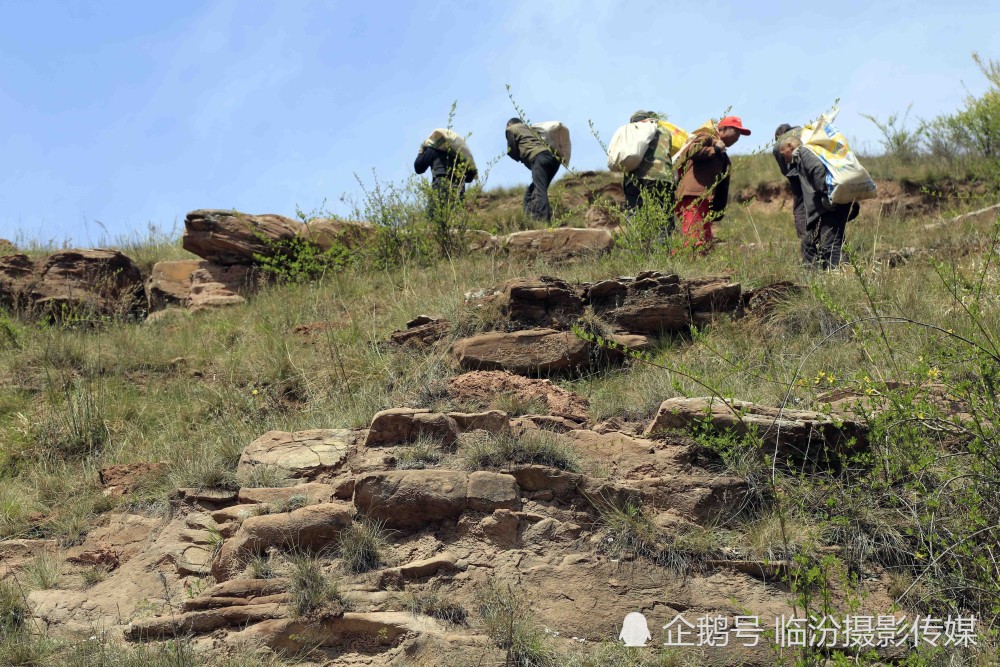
(310, 475)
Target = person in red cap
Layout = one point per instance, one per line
(703, 180)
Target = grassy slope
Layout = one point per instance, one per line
(194, 390)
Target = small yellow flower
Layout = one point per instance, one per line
(254, 392)
(933, 373)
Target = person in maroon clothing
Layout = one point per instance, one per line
(703, 180)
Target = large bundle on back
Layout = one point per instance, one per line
(449, 141)
(846, 179)
(629, 144)
(556, 135)
(681, 139)
(678, 136)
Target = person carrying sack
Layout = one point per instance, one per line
(791, 173)
(826, 222)
(524, 145)
(652, 182)
(450, 171)
(703, 179)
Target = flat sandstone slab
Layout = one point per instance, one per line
(301, 454)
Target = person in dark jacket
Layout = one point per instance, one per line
(703, 180)
(790, 172)
(652, 182)
(823, 241)
(525, 146)
(449, 174)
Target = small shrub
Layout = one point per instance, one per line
(432, 602)
(69, 525)
(483, 450)
(290, 505)
(44, 571)
(94, 575)
(897, 141)
(9, 337)
(516, 405)
(215, 538)
(420, 455)
(771, 538)
(298, 260)
(363, 545)
(261, 567)
(26, 649)
(298, 501)
(479, 315)
(647, 229)
(628, 532)
(77, 426)
(310, 589)
(14, 511)
(263, 477)
(507, 620)
(208, 472)
(14, 611)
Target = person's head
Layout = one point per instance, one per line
(731, 129)
(787, 147)
(781, 129)
(641, 115)
(514, 121)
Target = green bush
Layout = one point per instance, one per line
(974, 130)
(299, 260)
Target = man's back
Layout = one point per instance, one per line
(703, 168)
(524, 144)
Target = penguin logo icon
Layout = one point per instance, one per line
(635, 630)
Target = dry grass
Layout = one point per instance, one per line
(194, 390)
(481, 450)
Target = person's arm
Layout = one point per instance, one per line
(513, 147)
(811, 168)
(720, 193)
(782, 165)
(424, 159)
(705, 147)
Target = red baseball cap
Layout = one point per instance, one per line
(735, 122)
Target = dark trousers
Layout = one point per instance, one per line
(801, 227)
(823, 242)
(641, 191)
(445, 194)
(536, 197)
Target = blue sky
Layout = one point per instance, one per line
(117, 115)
